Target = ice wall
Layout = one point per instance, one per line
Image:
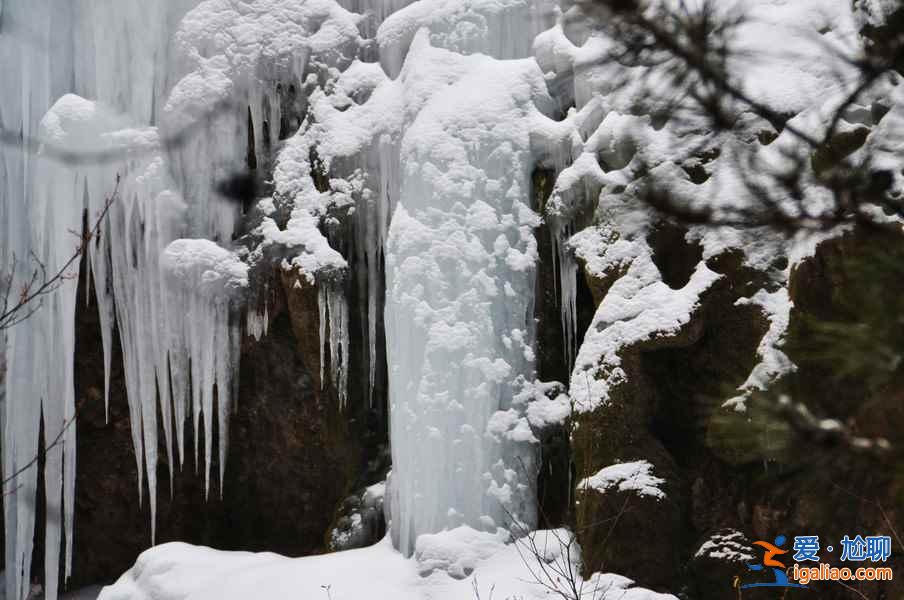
(423, 109)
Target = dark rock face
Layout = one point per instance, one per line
(726, 484)
(293, 456)
(658, 414)
(555, 476)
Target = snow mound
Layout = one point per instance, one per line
(634, 477)
(728, 545)
(200, 262)
(456, 552)
(178, 571)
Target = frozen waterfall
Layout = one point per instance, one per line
(421, 114)
(459, 308)
(77, 157)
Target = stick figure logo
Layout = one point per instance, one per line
(770, 551)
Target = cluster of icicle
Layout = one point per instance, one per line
(333, 313)
(145, 152)
(177, 326)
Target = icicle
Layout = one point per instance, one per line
(201, 276)
(100, 267)
(322, 309)
(376, 227)
(257, 316)
(256, 322)
(567, 270)
(338, 308)
(373, 281)
(178, 362)
(333, 313)
(69, 474)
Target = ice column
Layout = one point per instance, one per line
(460, 278)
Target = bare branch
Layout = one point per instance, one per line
(42, 283)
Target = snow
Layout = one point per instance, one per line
(783, 57)
(786, 56)
(639, 307)
(726, 545)
(547, 403)
(886, 143)
(773, 362)
(874, 12)
(177, 571)
(202, 263)
(635, 477)
(493, 27)
(457, 552)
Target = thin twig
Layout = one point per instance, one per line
(29, 294)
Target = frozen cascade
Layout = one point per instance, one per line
(460, 278)
(144, 215)
(110, 53)
(34, 392)
(177, 88)
(452, 372)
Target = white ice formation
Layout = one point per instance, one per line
(147, 148)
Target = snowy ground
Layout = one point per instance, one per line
(88, 593)
(480, 569)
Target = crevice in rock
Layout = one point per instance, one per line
(673, 255)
